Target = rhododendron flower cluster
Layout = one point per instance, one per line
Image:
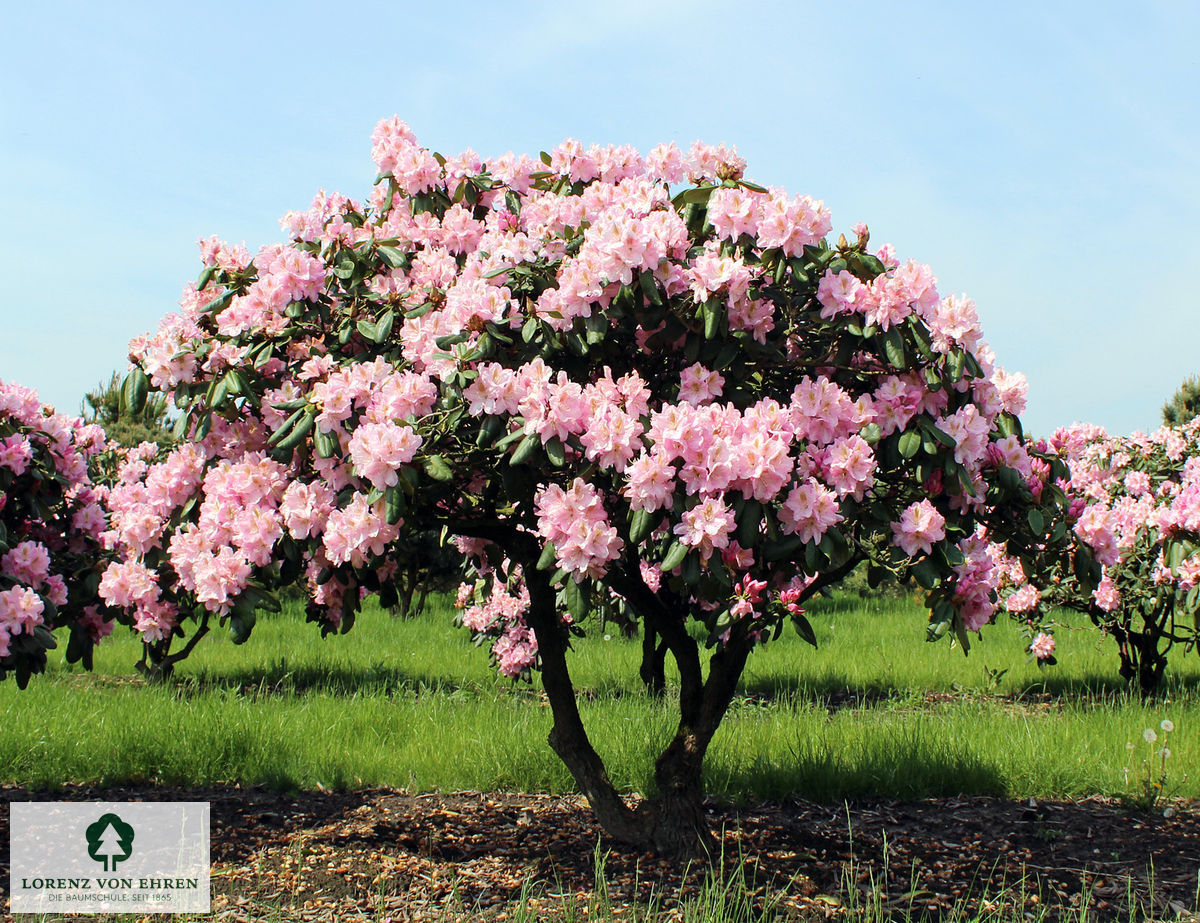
(1042, 646)
(502, 615)
(51, 518)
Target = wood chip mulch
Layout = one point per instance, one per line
(383, 854)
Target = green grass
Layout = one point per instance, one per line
(413, 704)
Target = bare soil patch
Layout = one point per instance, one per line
(368, 855)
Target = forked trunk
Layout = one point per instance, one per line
(673, 822)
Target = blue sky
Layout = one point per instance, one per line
(1042, 158)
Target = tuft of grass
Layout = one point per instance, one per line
(726, 893)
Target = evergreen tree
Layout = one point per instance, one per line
(151, 424)
(1184, 403)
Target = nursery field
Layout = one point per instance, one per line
(866, 768)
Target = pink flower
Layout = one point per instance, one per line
(1023, 600)
(920, 526)
(851, 464)
(698, 385)
(15, 453)
(357, 532)
(27, 562)
(840, 293)
(20, 610)
(650, 483)
(577, 523)
(95, 624)
(379, 449)
(128, 583)
(809, 511)
(1042, 646)
(1106, 595)
(706, 526)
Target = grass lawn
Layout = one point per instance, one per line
(412, 704)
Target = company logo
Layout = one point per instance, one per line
(109, 857)
(110, 840)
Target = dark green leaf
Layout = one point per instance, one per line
(436, 468)
(134, 390)
(526, 448)
(452, 339)
(295, 434)
(804, 628)
(697, 196)
(893, 348)
(926, 574)
(674, 557)
(325, 444)
(394, 257)
(783, 549)
(394, 504)
(650, 287)
(639, 526)
(576, 598)
(909, 443)
(555, 452)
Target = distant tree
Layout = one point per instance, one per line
(425, 565)
(123, 426)
(1184, 403)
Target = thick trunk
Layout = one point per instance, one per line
(674, 821)
(404, 597)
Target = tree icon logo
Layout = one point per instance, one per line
(110, 840)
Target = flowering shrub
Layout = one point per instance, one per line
(50, 521)
(622, 382)
(1136, 509)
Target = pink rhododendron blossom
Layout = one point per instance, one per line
(379, 449)
(809, 511)
(706, 526)
(28, 562)
(20, 610)
(576, 522)
(15, 453)
(699, 385)
(1042, 646)
(1023, 600)
(919, 528)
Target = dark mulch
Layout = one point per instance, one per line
(374, 854)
